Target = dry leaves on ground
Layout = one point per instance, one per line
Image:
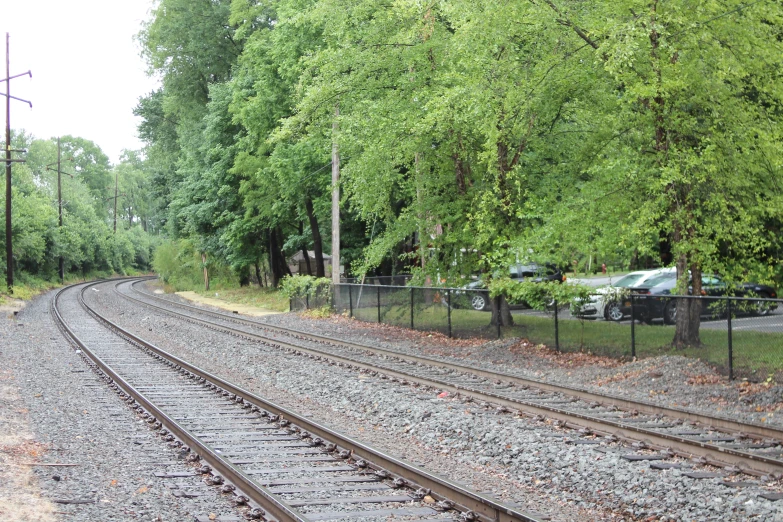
(20, 497)
(563, 359)
(698, 380)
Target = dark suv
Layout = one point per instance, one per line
(530, 272)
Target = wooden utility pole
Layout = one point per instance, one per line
(60, 201)
(60, 208)
(335, 201)
(115, 197)
(116, 178)
(9, 251)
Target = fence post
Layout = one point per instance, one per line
(731, 354)
(497, 307)
(378, 288)
(307, 301)
(557, 330)
(411, 308)
(448, 303)
(350, 301)
(633, 325)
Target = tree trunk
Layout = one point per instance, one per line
(335, 201)
(284, 270)
(244, 276)
(318, 247)
(503, 314)
(304, 250)
(274, 265)
(688, 320)
(258, 275)
(206, 271)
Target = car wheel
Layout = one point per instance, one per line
(613, 312)
(670, 312)
(479, 302)
(762, 307)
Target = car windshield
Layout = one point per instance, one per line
(629, 280)
(656, 280)
(521, 271)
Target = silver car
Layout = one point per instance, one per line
(603, 302)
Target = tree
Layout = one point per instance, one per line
(698, 134)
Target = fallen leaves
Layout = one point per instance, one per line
(563, 359)
(700, 380)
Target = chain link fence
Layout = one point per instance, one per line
(741, 337)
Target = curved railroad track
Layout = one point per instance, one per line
(659, 432)
(277, 465)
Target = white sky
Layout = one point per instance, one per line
(87, 72)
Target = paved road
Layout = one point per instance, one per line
(770, 323)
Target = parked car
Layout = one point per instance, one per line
(530, 272)
(607, 301)
(659, 304)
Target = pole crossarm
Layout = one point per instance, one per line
(15, 98)
(28, 73)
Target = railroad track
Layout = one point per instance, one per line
(659, 433)
(277, 465)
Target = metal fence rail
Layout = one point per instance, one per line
(741, 337)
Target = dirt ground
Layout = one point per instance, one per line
(20, 498)
(225, 305)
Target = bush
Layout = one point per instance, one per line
(301, 286)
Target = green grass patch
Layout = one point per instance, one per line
(756, 354)
(27, 286)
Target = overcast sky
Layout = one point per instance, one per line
(87, 72)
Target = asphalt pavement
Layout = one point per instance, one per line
(772, 323)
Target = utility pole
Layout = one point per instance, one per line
(335, 201)
(116, 177)
(60, 208)
(9, 251)
(115, 198)
(60, 203)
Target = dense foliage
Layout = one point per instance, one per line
(472, 134)
(86, 241)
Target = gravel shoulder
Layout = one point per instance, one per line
(667, 380)
(20, 492)
(513, 458)
(53, 409)
(671, 381)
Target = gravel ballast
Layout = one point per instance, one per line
(72, 417)
(513, 458)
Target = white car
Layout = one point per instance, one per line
(601, 304)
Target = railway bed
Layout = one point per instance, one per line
(289, 467)
(654, 433)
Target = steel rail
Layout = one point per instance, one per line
(717, 455)
(725, 423)
(258, 494)
(485, 508)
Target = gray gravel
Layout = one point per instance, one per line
(667, 380)
(513, 458)
(77, 419)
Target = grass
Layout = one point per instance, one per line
(27, 287)
(252, 296)
(755, 354)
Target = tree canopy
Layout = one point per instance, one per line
(472, 134)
